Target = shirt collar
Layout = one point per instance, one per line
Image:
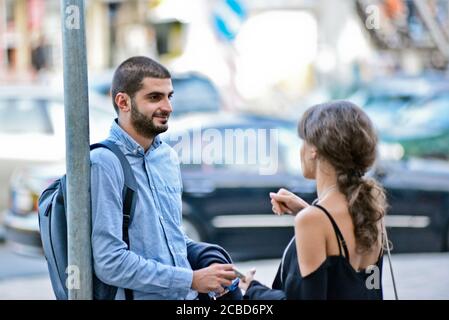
(130, 144)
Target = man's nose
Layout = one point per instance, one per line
(166, 106)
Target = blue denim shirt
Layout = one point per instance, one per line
(156, 266)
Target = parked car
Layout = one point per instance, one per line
(32, 129)
(226, 201)
(409, 110)
(423, 128)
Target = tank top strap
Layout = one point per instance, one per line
(382, 240)
(339, 235)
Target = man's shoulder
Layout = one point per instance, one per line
(105, 162)
(106, 159)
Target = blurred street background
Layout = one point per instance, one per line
(251, 65)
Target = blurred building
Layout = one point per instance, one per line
(32, 28)
(264, 54)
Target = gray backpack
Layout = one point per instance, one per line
(53, 228)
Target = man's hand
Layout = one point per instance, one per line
(213, 278)
(285, 201)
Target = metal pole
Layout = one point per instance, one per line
(79, 271)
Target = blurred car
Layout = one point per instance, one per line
(410, 110)
(32, 129)
(204, 218)
(226, 201)
(383, 98)
(423, 128)
(193, 92)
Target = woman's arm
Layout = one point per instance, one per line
(258, 291)
(310, 240)
(311, 250)
(254, 290)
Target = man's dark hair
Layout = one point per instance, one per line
(130, 73)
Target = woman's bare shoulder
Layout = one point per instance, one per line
(310, 217)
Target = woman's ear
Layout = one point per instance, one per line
(313, 153)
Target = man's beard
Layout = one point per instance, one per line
(144, 125)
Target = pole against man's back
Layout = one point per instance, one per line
(76, 102)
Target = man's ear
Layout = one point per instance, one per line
(123, 102)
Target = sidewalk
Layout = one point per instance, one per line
(30, 288)
(418, 277)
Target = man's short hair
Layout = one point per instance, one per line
(130, 73)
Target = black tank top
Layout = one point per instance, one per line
(334, 279)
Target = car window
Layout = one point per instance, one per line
(100, 123)
(238, 150)
(194, 94)
(290, 145)
(100, 119)
(391, 103)
(433, 114)
(24, 116)
(241, 149)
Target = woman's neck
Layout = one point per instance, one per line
(325, 180)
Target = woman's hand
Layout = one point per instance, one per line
(286, 202)
(248, 278)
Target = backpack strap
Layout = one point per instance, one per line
(129, 190)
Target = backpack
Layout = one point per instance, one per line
(53, 228)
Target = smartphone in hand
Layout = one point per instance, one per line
(239, 274)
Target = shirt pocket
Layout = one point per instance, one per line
(173, 202)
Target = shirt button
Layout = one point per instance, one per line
(162, 218)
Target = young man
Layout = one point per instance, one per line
(156, 265)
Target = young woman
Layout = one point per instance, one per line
(336, 252)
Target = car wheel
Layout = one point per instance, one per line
(191, 230)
